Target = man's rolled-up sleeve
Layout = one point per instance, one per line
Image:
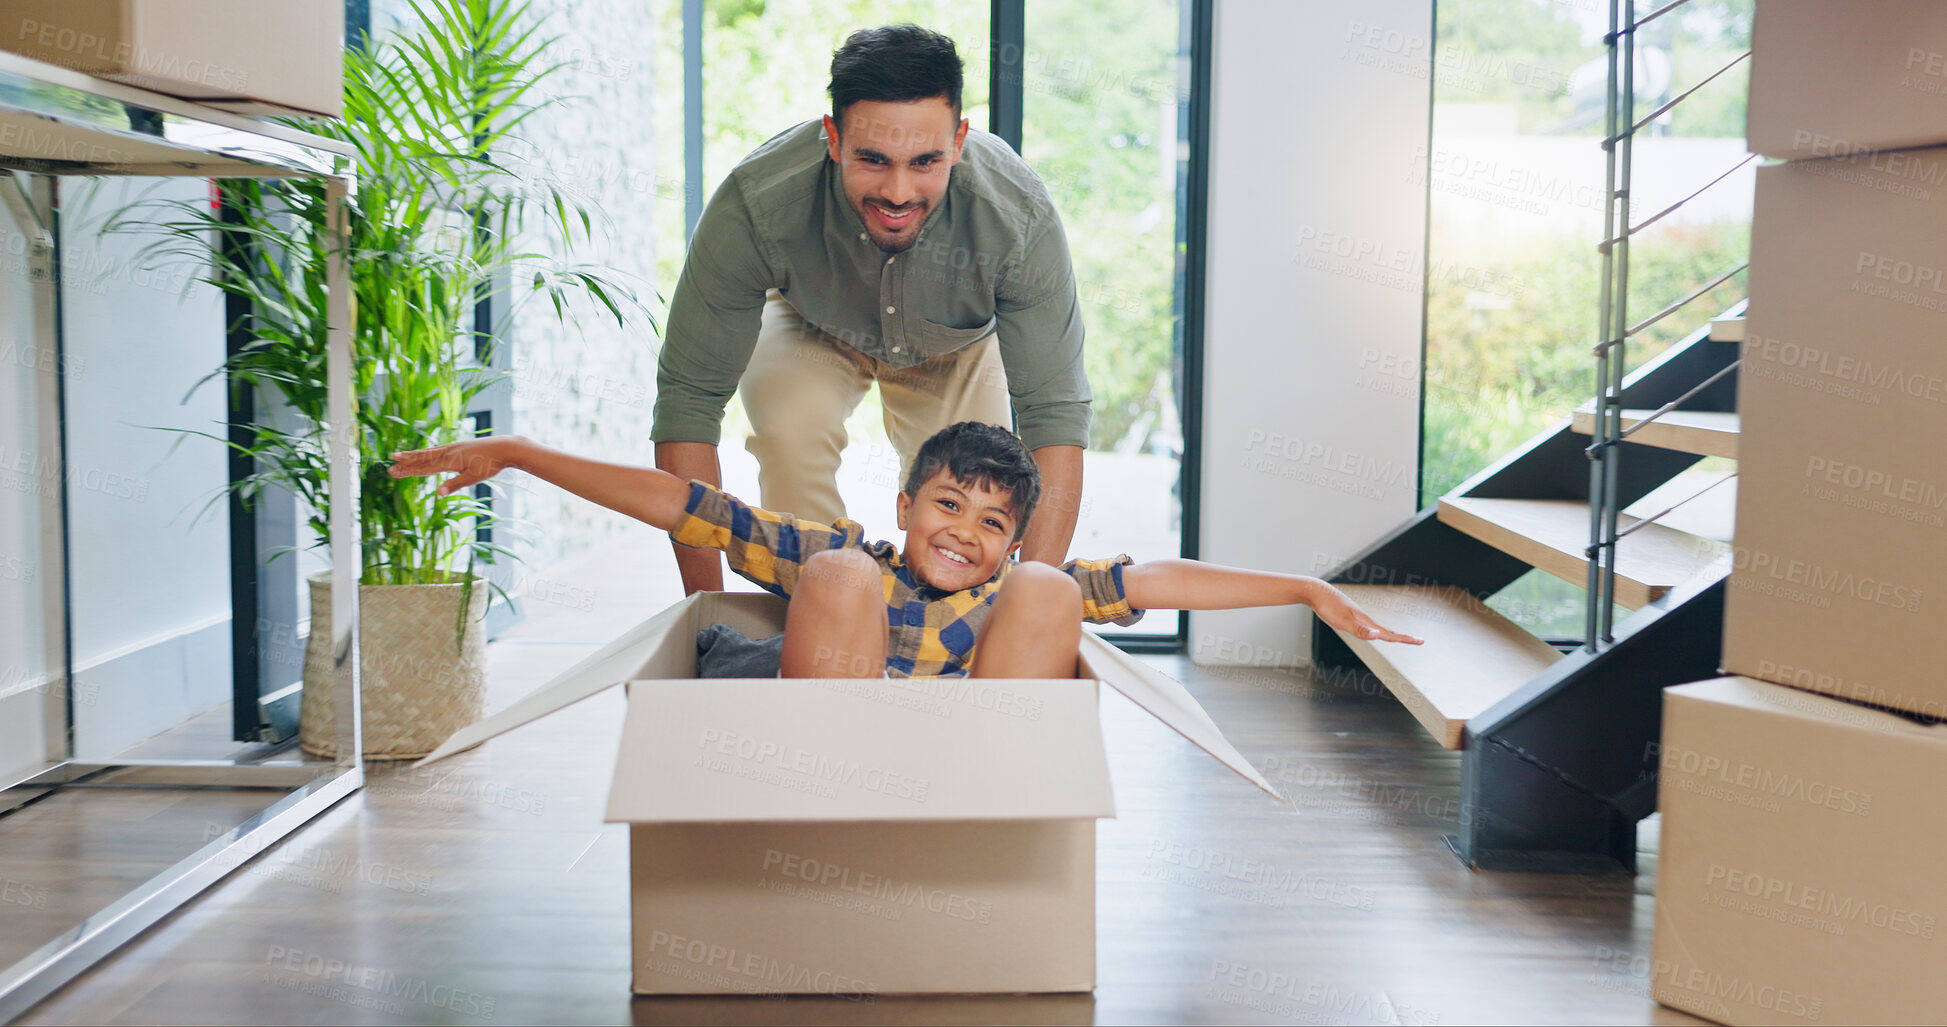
(1040, 328)
(713, 321)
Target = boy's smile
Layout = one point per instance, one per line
(957, 533)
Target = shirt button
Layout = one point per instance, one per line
(891, 259)
(895, 349)
(861, 236)
(892, 310)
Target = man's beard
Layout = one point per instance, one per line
(887, 242)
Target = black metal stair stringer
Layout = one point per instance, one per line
(1556, 775)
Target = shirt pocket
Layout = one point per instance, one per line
(936, 339)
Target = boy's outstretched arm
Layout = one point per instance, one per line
(643, 493)
(1195, 585)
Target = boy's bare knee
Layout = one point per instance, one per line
(840, 571)
(1043, 587)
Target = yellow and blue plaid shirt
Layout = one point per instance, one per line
(931, 632)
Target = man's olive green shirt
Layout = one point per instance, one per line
(990, 258)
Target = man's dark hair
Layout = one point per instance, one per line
(894, 64)
(981, 454)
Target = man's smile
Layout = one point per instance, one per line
(894, 218)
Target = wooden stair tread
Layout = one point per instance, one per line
(1472, 659)
(1704, 432)
(1552, 534)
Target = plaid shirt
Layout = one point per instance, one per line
(931, 632)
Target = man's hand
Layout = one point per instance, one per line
(470, 461)
(1338, 610)
(701, 569)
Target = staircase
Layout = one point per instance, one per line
(1558, 764)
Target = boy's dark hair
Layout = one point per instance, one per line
(894, 64)
(981, 454)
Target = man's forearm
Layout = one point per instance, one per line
(702, 569)
(1053, 525)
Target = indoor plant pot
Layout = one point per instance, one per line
(422, 665)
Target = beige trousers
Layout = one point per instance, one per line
(802, 384)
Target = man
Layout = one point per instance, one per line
(887, 243)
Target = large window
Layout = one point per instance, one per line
(1105, 125)
(1516, 172)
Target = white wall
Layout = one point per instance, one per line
(1312, 324)
(150, 566)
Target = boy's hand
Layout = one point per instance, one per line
(471, 461)
(1338, 610)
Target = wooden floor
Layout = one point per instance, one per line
(489, 891)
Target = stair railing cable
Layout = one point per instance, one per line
(1654, 415)
(1643, 522)
(1605, 447)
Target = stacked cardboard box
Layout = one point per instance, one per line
(246, 55)
(1798, 879)
(1841, 547)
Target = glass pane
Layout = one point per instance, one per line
(1106, 126)
(1517, 179)
(1517, 176)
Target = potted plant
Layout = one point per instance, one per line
(435, 223)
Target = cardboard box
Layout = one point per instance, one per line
(853, 837)
(251, 56)
(1841, 538)
(1799, 878)
(1829, 79)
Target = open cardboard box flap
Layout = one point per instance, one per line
(662, 649)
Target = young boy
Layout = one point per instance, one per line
(950, 602)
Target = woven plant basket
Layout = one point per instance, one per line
(422, 675)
